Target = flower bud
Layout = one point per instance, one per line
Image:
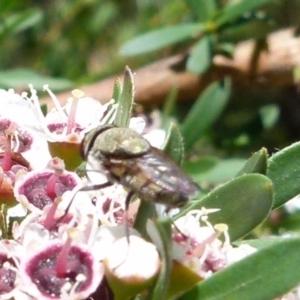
(131, 266)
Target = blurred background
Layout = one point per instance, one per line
(75, 43)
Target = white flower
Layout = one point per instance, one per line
(238, 253)
(156, 137)
(60, 270)
(137, 124)
(15, 108)
(78, 116)
(107, 235)
(132, 259)
(10, 252)
(35, 189)
(293, 205)
(18, 109)
(197, 246)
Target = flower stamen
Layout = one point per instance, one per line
(62, 259)
(58, 166)
(50, 217)
(55, 101)
(223, 228)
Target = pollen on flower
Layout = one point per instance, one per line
(8, 274)
(223, 228)
(78, 93)
(51, 220)
(57, 165)
(41, 188)
(20, 139)
(78, 276)
(60, 128)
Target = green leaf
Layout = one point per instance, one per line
(205, 112)
(290, 221)
(20, 78)
(259, 243)
(257, 163)
(20, 21)
(250, 29)
(160, 38)
(174, 145)
(160, 290)
(269, 115)
(200, 58)
(225, 48)
(257, 276)
(233, 11)
(4, 220)
(202, 9)
(211, 170)
(126, 100)
(169, 106)
(117, 91)
(44, 109)
(101, 17)
(145, 211)
(244, 203)
(284, 171)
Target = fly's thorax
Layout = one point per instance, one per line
(123, 142)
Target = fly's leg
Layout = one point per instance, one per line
(83, 189)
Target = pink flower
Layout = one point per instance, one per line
(36, 189)
(198, 247)
(60, 271)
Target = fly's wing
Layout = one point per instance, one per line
(156, 177)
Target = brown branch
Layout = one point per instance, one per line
(274, 67)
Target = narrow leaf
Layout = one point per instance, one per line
(174, 145)
(269, 115)
(22, 20)
(200, 58)
(233, 11)
(160, 38)
(257, 276)
(202, 9)
(126, 100)
(4, 219)
(205, 112)
(160, 290)
(250, 29)
(117, 91)
(257, 163)
(22, 77)
(170, 105)
(145, 211)
(284, 171)
(259, 243)
(244, 203)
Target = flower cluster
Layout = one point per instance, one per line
(76, 243)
